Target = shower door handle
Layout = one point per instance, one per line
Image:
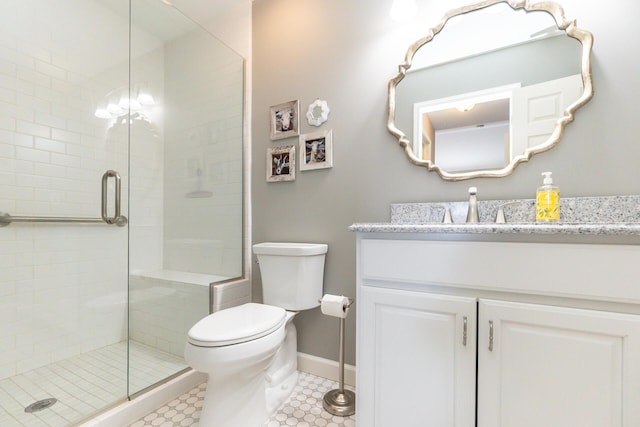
(117, 218)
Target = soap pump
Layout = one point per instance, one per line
(547, 200)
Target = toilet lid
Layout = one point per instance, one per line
(234, 325)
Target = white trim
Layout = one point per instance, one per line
(325, 368)
(131, 411)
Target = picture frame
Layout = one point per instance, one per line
(281, 163)
(285, 120)
(316, 150)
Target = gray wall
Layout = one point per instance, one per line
(345, 52)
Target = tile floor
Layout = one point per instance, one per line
(303, 408)
(83, 384)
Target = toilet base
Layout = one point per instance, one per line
(279, 393)
(234, 403)
(247, 381)
(282, 375)
(235, 395)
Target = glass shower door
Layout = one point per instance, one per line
(186, 103)
(90, 312)
(63, 283)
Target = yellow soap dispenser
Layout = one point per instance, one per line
(547, 200)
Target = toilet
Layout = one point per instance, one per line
(250, 351)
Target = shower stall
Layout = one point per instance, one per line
(121, 199)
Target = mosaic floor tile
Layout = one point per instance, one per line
(302, 409)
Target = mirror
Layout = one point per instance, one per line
(490, 86)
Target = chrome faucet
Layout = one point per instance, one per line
(472, 212)
(446, 217)
(500, 217)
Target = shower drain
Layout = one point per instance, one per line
(40, 405)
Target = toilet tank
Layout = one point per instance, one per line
(292, 273)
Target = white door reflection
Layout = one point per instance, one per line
(488, 129)
(466, 132)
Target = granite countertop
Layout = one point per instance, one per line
(510, 228)
(610, 215)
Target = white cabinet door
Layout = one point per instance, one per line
(416, 365)
(553, 366)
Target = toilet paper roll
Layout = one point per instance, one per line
(334, 305)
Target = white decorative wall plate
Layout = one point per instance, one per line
(318, 112)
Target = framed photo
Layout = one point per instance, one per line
(316, 150)
(281, 163)
(284, 120)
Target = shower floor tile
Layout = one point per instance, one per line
(303, 408)
(83, 384)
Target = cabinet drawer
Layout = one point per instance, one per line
(599, 272)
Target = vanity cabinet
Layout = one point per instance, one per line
(445, 337)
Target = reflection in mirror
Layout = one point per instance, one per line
(472, 131)
(490, 86)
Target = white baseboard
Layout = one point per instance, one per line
(131, 411)
(326, 368)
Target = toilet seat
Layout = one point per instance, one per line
(235, 325)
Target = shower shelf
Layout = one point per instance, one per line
(6, 219)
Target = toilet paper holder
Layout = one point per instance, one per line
(339, 401)
(351, 301)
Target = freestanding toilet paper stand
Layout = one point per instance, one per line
(339, 401)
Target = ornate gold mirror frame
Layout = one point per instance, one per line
(570, 28)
